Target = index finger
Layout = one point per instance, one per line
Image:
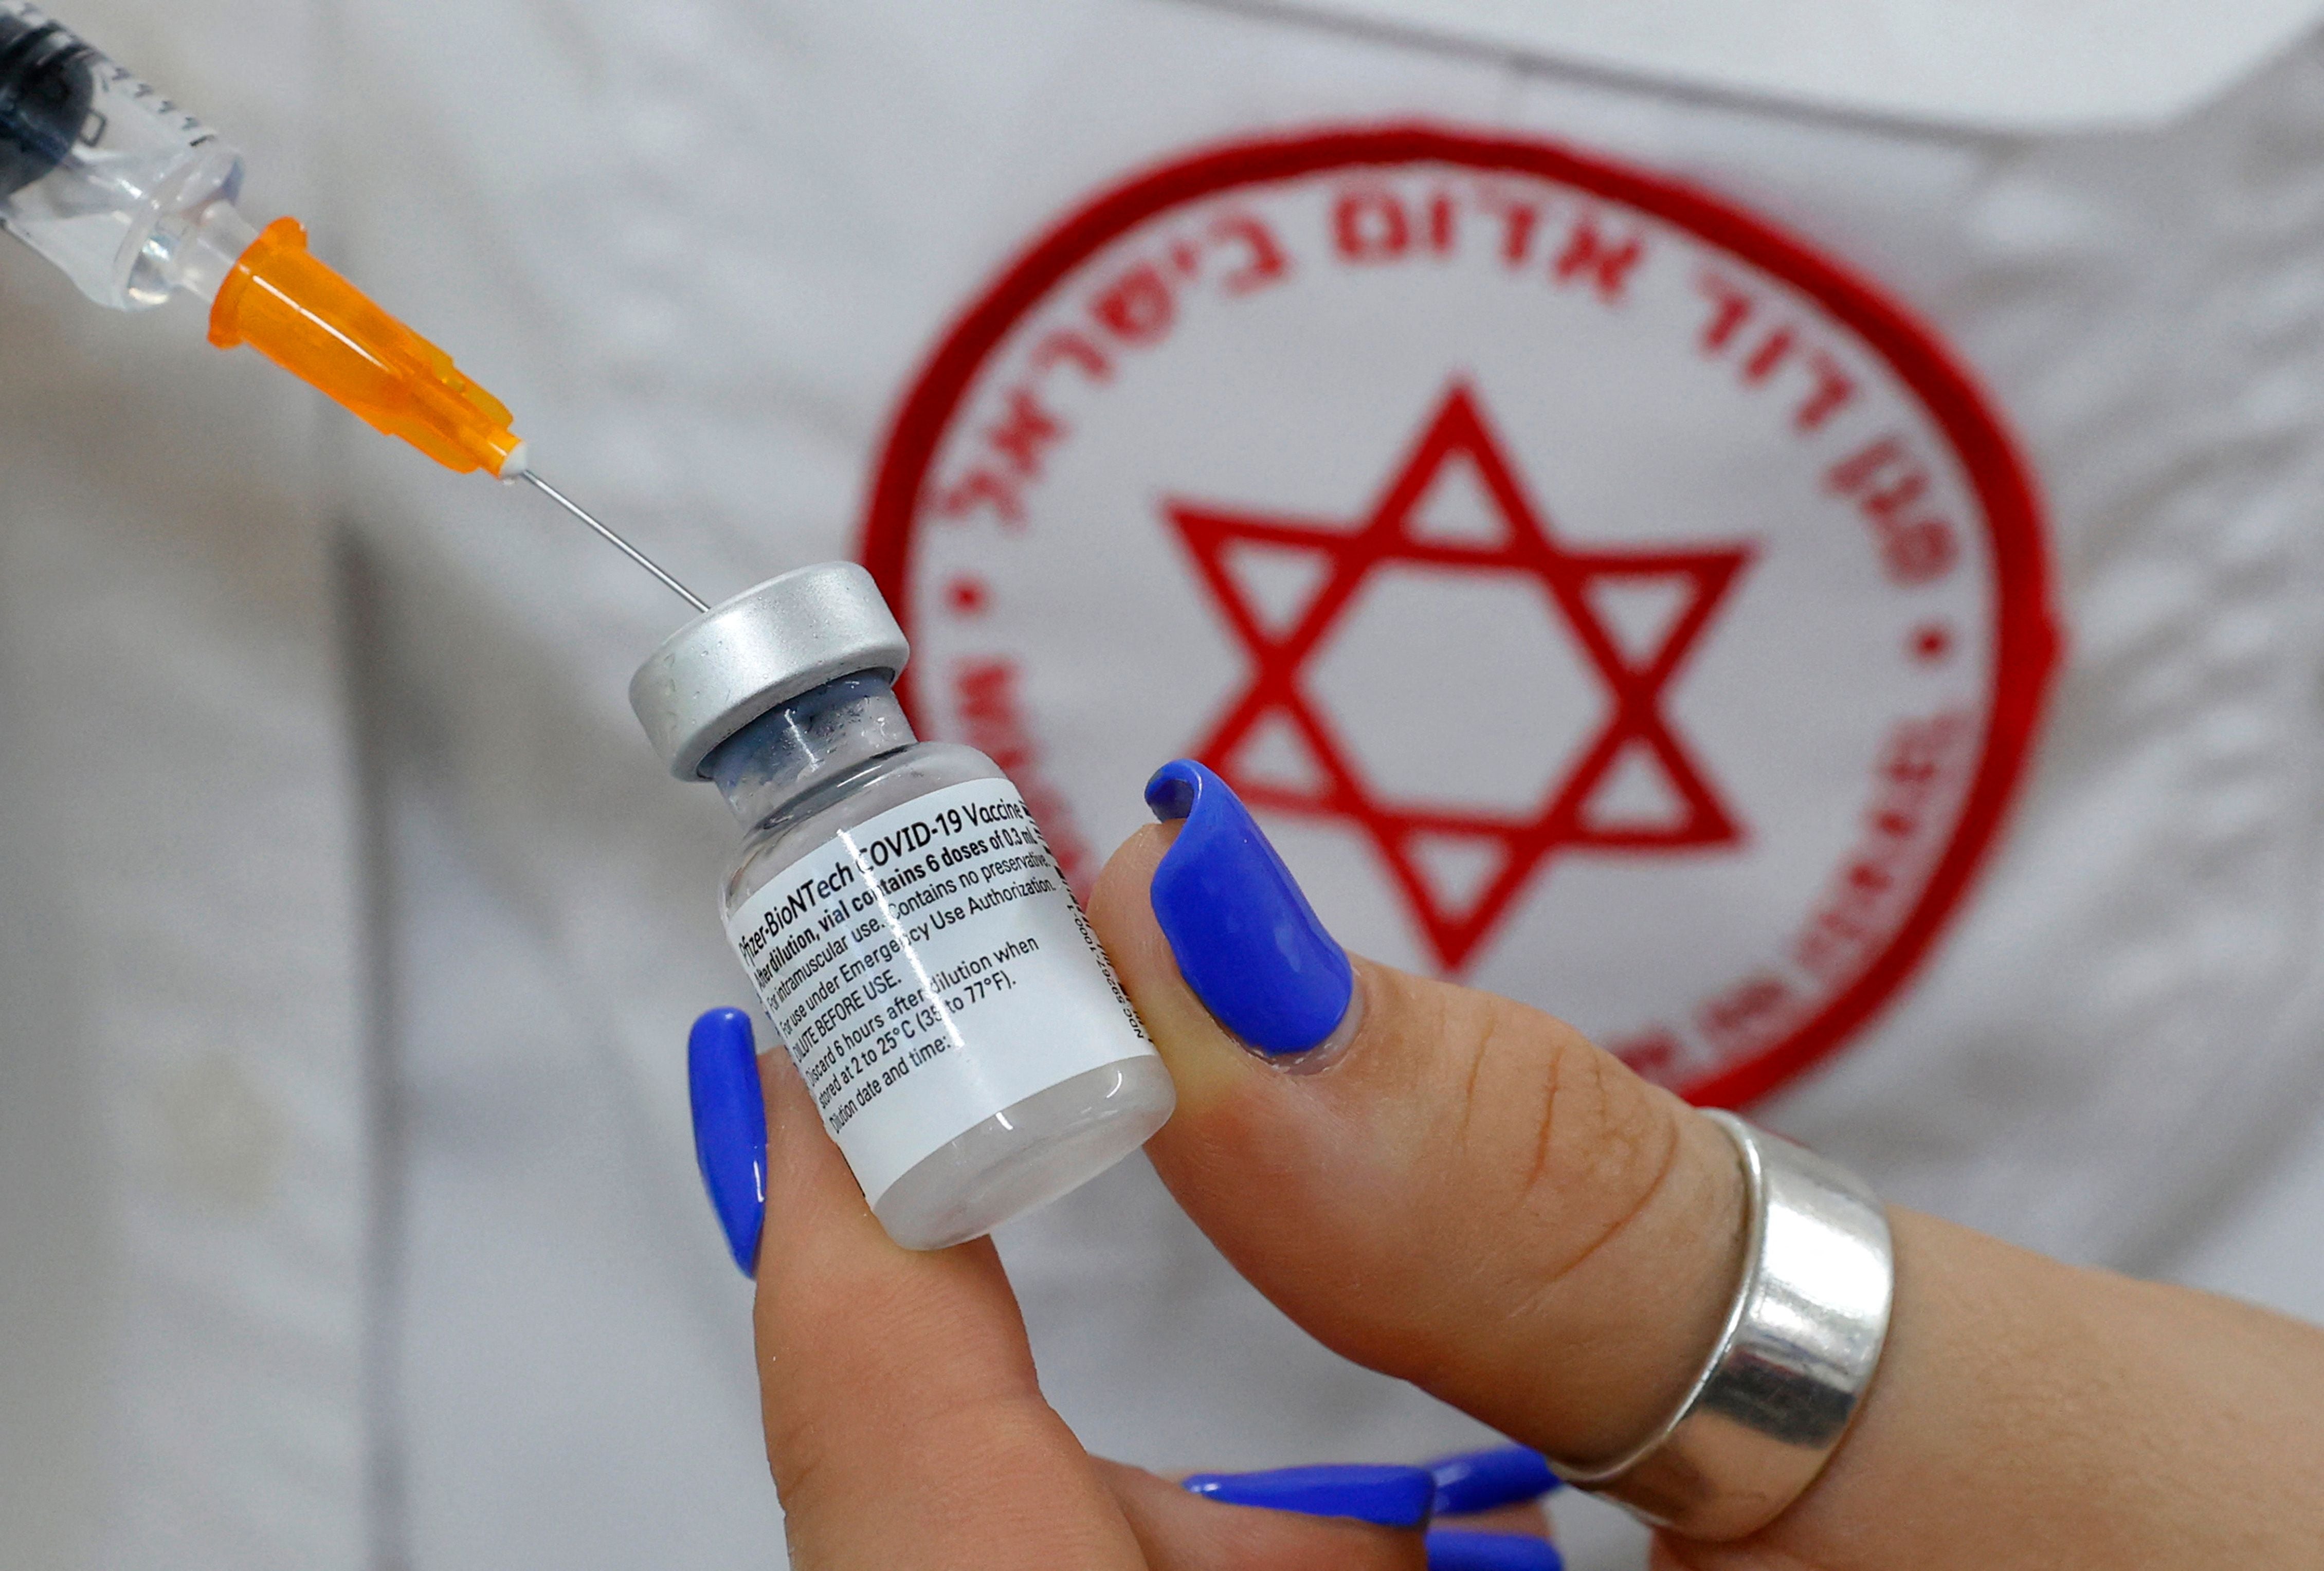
(904, 1423)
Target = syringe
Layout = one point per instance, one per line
(133, 199)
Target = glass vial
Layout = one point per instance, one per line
(902, 918)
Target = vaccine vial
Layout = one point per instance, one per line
(903, 922)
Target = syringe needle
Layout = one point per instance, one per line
(623, 546)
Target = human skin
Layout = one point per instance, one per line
(1469, 1196)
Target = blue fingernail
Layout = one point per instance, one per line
(1247, 940)
(1482, 1479)
(730, 1126)
(1394, 1497)
(1457, 1551)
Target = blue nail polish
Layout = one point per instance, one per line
(1393, 1497)
(1247, 940)
(1482, 1479)
(1456, 1551)
(730, 1126)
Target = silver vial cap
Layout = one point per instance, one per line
(766, 646)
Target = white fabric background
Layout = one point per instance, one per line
(352, 934)
(2021, 65)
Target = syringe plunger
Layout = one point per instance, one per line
(101, 174)
(134, 200)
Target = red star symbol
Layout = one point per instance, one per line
(1634, 682)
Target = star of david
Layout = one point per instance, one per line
(1636, 679)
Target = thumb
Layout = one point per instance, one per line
(1444, 1185)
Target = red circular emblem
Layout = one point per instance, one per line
(1604, 598)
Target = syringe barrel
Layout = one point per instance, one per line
(101, 174)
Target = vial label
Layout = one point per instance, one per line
(927, 969)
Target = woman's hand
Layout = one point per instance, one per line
(905, 1427)
(1461, 1191)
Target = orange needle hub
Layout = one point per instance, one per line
(320, 328)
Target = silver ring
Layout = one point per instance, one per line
(1790, 1368)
